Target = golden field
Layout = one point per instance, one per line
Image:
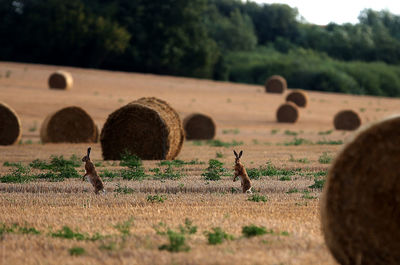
(243, 113)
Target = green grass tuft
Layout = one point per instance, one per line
(156, 198)
(325, 132)
(318, 184)
(76, 251)
(299, 160)
(257, 198)
(231, 131)
(325, 158)
(123, 190)
(68, 233)
(217, 236)
(253, 230)
(291, 133)
(214, 170)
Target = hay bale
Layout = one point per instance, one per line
(199, 127)
(60, 80)
(275, 84)
(148, 128)
(360, 210)
(346, 120)
(69, 125)
(298, 97)
(287, 112)
(10, 125)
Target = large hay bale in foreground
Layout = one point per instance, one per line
(199, 127)
(148, 128)
(360, 205)
(287, 112)
(346, 120)
(69, 125)
(298, 97)
(10, 125)
(275, 84)
(60, 80)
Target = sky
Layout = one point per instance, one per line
(340, 11)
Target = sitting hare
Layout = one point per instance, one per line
(240, 172)
(91, 174)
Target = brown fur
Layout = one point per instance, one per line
(91, 174)
(240, 172)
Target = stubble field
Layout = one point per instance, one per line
(64, 222)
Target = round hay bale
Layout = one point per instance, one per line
(199, 127)
(360, 210)
(147, 127)
(69, 125)
(346, 120)
(275, 84)
(60, 80)
(287, 112)
(298, 97)
(10, 125)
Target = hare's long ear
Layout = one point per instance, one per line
(88, 151)
(240, 154)
(235, 153)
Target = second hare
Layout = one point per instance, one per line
(91, 174)
(240, 172)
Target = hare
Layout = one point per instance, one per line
(91, 174)
(240, 172)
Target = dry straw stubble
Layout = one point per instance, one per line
(347, 120)
(148, 128)
(10, 125)
(275, 84)
(360, 206)
(298, 97)
(69, 125)
(61, 80)
(287, 112)
(199, 127)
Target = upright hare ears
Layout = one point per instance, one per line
(235, 153)
(240, 154)
(88, 151)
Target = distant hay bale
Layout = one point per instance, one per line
(199, 127)
(298, 97)
(275, 84)
(69, 125)
(60, 80)
(148, 128)
(10, 125)
(287, 112)
(346, 120)
(360, 210)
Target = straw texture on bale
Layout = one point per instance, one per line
(360, 210)
(69, 125)
(61, 80)
(347, 120)
(298, 97)
(10, 125)
(199, 127)
(147, 127)
(287, 112)
(275, 84)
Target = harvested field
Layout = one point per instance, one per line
(62, 221)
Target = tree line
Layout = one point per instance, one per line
(217, 39)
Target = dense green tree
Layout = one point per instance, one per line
(232, 33)
(58, 32)
(168, 37)
(221, 39)
(272, 21)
